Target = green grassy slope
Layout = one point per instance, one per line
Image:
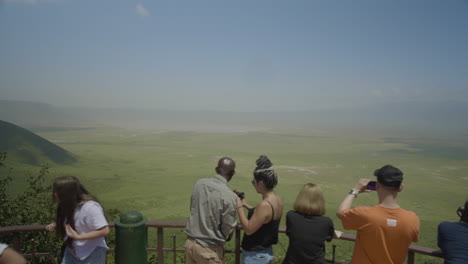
(29, 148)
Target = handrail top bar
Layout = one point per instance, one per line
(182, 224)
(170, 224)
(22, 228)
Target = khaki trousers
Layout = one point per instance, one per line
(198, 254)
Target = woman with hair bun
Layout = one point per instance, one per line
(262, 222)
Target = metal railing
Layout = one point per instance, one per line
(160, 249)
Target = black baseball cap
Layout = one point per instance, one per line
(389, 176)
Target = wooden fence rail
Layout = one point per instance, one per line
(160, 249)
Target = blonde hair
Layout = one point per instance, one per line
(310, 200)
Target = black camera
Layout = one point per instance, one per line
(241, 195)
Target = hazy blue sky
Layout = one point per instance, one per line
(233, 55)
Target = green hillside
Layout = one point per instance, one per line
(29, 148)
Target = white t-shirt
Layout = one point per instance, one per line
(2, 248)
(89, 217)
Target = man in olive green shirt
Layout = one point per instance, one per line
(212, 216)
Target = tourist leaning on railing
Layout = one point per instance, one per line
(384, 231)
(80, 220)
(212, 216)
(261, 224)
(452, 238)
(307, 228)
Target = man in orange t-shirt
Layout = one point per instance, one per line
(384, 231)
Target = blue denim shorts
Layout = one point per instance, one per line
(98, 256)
(257, 257)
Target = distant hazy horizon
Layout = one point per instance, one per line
(442, 120)
(240, 56)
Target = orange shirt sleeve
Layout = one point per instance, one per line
(355, 218)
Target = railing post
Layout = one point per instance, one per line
(237, 246)
(410, 257)
(174, 248)
(16, 241)
(33, 251)
(160, 234)
(333, 253)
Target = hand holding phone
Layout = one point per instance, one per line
(372, 186)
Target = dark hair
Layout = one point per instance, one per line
(70, 193)
(265, 173)
(390, 177)
(463, 212)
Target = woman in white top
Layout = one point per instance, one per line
(80, 220)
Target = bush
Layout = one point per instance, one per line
(34, 206)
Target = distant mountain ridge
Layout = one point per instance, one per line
(30, 148)
(30, 114)
(418, 118)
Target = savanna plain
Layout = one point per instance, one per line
(153, 172)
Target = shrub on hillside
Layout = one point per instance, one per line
(34, 206)
(31, 207)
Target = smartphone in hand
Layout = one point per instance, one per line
(372, 185)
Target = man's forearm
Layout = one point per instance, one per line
(349, 199)
(345, 204)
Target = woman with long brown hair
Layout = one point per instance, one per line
(80, 221)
